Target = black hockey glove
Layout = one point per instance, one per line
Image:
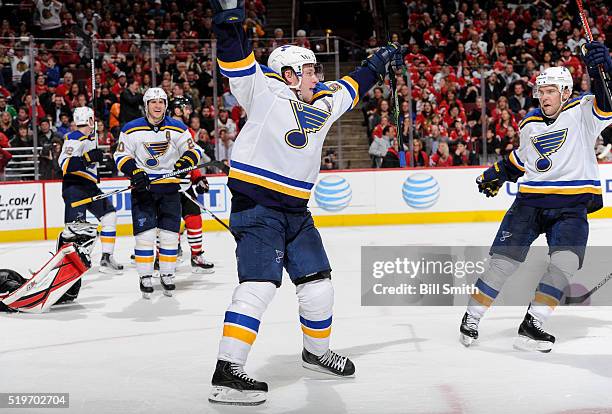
(228, 11)
(595, 54)
(201, 185)
(378, 61)
(490, 181)
(95, 155)
(183, 162)
(140, 180)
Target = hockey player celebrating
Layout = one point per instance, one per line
(180, 109)
(78, 159)
(560, 186)
(274, 165)
(148, 148)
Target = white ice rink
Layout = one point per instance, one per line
(117, 353)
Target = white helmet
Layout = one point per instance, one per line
(291, 56)
(154, 93)
(82, 115)
(559, 76)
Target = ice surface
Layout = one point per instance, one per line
(115, 352)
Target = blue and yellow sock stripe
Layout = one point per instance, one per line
(143, 256)
(167, 255)
(548, 295)
(240, 68)
(316, 329)
(108, 236)
(240, 327)
(486, 294)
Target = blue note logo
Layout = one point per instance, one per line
(333, 193)
(546, 145)
(310, 119)
(156, 150)
(421, 191)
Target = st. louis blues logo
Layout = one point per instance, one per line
(310, 119)
(545, 145)
(156, 149)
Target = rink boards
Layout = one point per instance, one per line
(35, 210)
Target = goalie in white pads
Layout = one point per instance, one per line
(560, 185)
(58, 281)
(274, 165)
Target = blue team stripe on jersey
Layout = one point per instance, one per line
(139, 252)
(486, 289)
(550, 291)
(316, 324)
(138, 128)
(602, 118)
(572, 183)
(243, 320)
(108, 233)
(239, 73)
(168, 252)
(348, 87)
(271, 175)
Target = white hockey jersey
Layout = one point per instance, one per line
(276, 158)
(74, 168)
(558, 159)
(155, 149)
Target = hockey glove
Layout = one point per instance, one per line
(95, 155)
(378, 61)
(201, 185)
(183, 162)
(140, 180)
(597, 54)
(227, 11)
(490, 181)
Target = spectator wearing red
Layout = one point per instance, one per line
(501, 105)
(442, 156)
(66, 84)
(385, 121)
(571, 62)
(420, 157)
(506, 120)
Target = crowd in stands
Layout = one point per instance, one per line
(123, 34)
(453, 47)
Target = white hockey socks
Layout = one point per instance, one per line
(242, 319)
(316, 300)
(109, 232)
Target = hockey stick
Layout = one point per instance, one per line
(122, 190)
(204, 209)
(589, 35)
(393, 96)
(570, 300)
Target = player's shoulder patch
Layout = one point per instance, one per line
(138, 124)
(333, 86)
(271, 74)
(173, 125)
(532, 116)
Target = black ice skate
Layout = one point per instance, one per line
(231, 385)
(200, 265)
(167, 282)
(532, 337)
(328, 363)
(109, 265)
(146, 286)
(469, 329)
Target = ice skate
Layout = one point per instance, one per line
(469, 329)
(109, 265)
(146, 286)
(200, 265)
(231, 385)
(328, 363)
(167, 282)
(532, 337)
